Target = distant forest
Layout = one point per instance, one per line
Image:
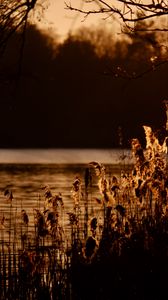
(89, 91)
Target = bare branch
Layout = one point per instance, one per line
(13, 15)
(129, 11)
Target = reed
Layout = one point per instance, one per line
(116, 244)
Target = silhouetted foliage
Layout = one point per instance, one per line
(70, 94)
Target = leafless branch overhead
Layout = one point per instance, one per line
(13, 14)
(129, 11)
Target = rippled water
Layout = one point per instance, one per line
(24, 171)
(25, 182)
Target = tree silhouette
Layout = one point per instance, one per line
(65, 96)
(13, 16)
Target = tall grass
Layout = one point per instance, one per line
(116, 244)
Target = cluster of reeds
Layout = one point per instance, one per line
(33, 259)
(116, 244)
(125, 253)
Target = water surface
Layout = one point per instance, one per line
(24, 172)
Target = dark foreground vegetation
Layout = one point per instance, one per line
(118, 250)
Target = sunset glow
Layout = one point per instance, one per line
(83, 149)
(58, 19)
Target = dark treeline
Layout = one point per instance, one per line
(79, 92)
